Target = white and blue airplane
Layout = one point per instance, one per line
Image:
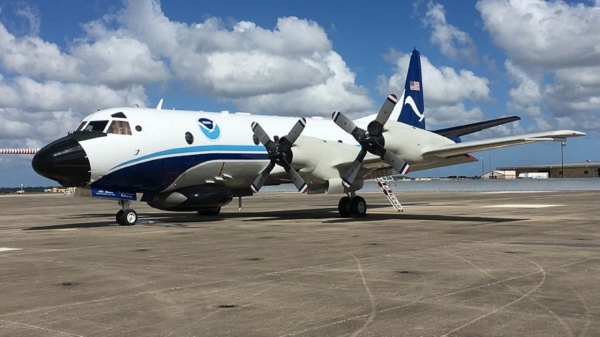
(199, 161)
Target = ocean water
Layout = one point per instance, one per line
(481, 185)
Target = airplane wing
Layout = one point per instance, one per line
(466, 129)
(449, 150)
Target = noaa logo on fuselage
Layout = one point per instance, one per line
(209, 128)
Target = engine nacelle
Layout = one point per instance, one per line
(195, 198)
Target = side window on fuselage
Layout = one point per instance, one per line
(119, 128)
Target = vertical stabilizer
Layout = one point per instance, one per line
(411, 103)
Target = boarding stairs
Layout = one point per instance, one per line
(384, 185)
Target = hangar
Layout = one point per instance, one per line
(588, 169)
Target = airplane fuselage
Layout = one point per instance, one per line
(164, 150)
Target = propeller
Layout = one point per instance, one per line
(279, 152)
(370, 140)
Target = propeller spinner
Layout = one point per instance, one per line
(370, 140)
(279, 152)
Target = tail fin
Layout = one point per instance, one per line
(412, 109)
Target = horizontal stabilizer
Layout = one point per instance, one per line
(462, 130)
(494, 143)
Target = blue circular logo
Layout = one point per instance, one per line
(209, 128)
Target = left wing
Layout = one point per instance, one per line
(457, 131)
(449, 150)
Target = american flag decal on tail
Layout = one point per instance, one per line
(415, 86)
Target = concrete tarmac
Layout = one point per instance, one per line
(453, 264)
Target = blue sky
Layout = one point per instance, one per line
(61, 60)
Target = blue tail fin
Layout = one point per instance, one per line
(413, 109)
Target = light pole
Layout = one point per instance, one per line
(482, 168)
(562, 161)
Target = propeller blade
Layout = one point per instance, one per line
(295, 177)
(398, 164)
(263, 137)
(352, 171)
(295, 132)
(262, 178)
(343, 122)
(386, 109)
(371, 140)
(277, 153)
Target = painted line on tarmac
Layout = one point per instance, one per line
(511, 192)
(522, 206)
(6, 249)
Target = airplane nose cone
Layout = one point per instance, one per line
(63, 161)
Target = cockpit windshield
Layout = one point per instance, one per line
(119, 128)
(96, 126)
(80, 127)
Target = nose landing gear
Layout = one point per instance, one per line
(126, 216)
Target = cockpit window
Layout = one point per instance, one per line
(119, 128)
(96, 126)
(80, 127)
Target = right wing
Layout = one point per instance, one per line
(463, 148)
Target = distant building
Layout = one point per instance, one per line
(500, 174)
(571, 170)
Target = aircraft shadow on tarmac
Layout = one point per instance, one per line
(330, 215)
(325, 215)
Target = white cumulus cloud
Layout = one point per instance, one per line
(554, 58)
(259, 69)
(452, 41)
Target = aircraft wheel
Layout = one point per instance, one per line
(118, 217)
(344, 207)
(212, 211)
(358, 207)
(128, 218)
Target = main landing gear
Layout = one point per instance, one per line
(126, 216)
(352, 206)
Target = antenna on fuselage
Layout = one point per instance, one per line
(159, 106)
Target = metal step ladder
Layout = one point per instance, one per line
(383, 183)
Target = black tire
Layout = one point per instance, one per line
(344, 207)
(128, 218)
(118, 217)
(358, 207)
(210, 212)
